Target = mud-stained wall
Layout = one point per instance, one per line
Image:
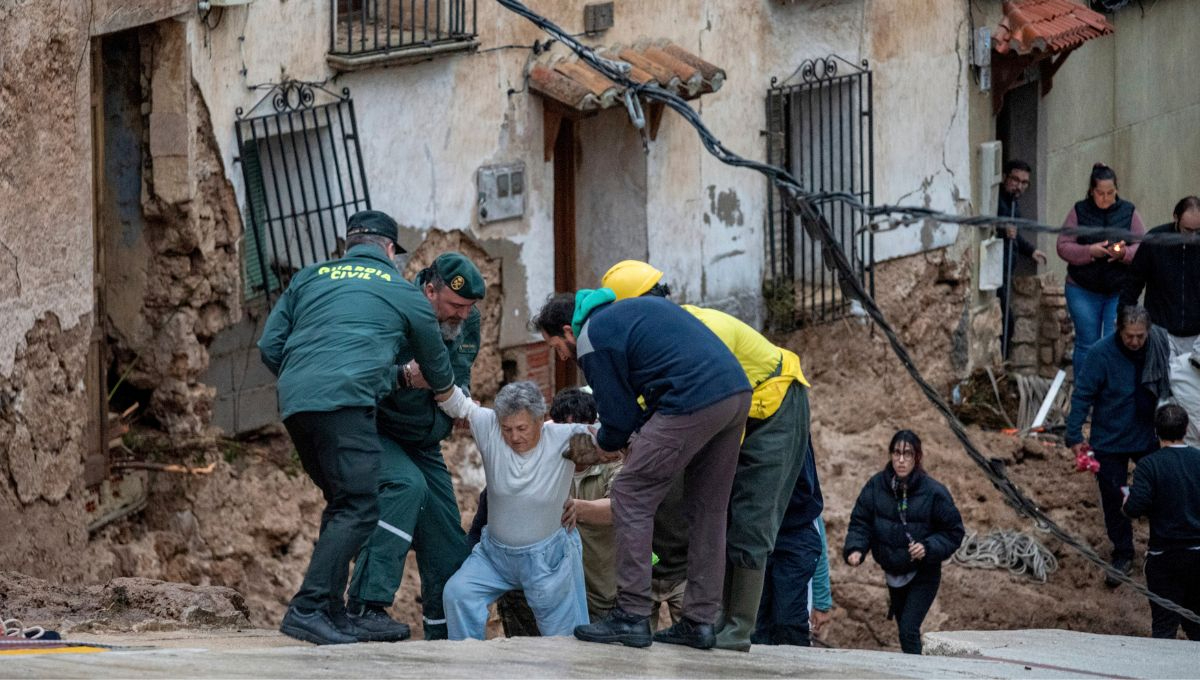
(45, 279)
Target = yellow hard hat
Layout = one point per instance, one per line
(630, 278)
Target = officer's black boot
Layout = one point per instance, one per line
(315, 627)
(618, 628)
(690, 633)
(370, 623)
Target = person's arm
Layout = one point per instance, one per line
(947, 526)
(276, 332)
(1141, 492)
(484, 425)
(1138, 272)
(1068, 247)
(1138, 228)
(858, 533)
(594, 513)
(821, 590)
(429, 350)
(463, 359)
(616, 401)
(1088, 382)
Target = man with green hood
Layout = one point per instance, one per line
(417, 506)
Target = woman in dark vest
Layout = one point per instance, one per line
(909, 523)
(1097, 263)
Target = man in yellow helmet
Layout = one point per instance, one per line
(771, 456)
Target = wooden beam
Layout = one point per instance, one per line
(654, 119)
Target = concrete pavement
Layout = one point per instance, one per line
(265, 654)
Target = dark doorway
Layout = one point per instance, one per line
(565, 373)
(1017, 130)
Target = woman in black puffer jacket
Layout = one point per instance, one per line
(908, 521)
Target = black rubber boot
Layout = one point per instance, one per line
(617, 628)
(688, 632)
(315, 627)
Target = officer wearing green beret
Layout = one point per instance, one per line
(417, 506)
(333, 339)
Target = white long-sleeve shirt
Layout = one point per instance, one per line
(526, 491)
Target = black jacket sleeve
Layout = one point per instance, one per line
(858, 534)
(947, 526)
(1136, 274)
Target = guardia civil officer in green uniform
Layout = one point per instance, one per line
(333, 339)
(417, 506)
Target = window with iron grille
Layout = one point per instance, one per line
(304, 177)
(361, 30)
(820, 130)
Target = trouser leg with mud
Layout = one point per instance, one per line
(704, 445)
(340, 452)
(418, 509)
(768, 465)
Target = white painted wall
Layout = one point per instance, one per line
(426, 128)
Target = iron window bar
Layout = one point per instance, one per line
(303, 170)
(820, 125)
(364, 27)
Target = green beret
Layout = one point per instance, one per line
(461, 275)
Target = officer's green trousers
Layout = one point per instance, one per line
(417, 508)
(768, 466)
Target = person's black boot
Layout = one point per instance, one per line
(315, 627)
(618, 627)
(370, 623)
(688, 632)
(1121, 564)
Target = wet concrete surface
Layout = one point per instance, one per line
(266, 654)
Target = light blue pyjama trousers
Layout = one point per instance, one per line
(549, 571)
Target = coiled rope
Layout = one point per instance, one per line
(1016, 551)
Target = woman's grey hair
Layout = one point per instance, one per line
(520, 396)
(1132, 314)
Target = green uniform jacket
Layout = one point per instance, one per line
(411, 417)
(334, 335)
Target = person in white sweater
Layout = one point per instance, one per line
(530, 542)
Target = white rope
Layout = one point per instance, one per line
(14, 628)
(1016, 551)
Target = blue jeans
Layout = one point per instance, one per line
(1094, 316)
(549, 571)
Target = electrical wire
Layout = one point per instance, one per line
(802, 205)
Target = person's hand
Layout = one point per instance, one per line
(916, 551)
(818, 621)
(1039, 256)
(854, 559)
(570, 516)
(412, 371)
(1078, 448)
(1116, 252)
(1098, 250)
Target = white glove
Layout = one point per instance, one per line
(458, 405)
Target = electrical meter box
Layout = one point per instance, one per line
(501, 192)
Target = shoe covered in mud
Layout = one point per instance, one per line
(372, 624)
(315, 627)
(690, 633)
(618, 627)
(1121, 564)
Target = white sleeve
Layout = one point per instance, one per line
(458, 405)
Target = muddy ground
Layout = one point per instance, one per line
(250, 524)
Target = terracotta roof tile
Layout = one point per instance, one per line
(1047, 26)
(663, 63)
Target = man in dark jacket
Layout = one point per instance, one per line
(1170, 273)
(333, 338)
(417, 506)
(1016, 180)
(696, 399)
(1109, 387)
(1166, 489)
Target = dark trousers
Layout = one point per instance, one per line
(704, 445)
(340, 452)
(1172, 575)
(783, 613)
(1114, 474)
(910, 604)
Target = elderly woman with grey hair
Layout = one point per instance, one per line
(529, 543)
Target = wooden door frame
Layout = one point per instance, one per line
(565, 175)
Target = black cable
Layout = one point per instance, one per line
(818, 229)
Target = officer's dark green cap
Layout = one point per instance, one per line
(461, 275)
(375, 222)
